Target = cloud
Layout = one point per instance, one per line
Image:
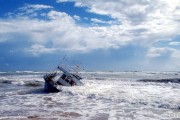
(76, 17)
(38, 49)
(149, 26)
(162, 58)
(158, 17)
(62, 32)
(174, 43)
(159, 52)
(61, 16)
(143, 22)
(29, 10)
(59, 1)
(134, 11)
(35, 7)
(176, 55)
(95, 20)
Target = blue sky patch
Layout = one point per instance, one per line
(99, 35)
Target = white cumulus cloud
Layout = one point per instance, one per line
(143, 22)
(174, 43)
(38, 49)
(35, 7)
(158, 52)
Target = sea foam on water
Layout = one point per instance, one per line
(104, 95)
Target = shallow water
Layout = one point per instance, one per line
(104, 95)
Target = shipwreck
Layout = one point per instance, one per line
(64, 78)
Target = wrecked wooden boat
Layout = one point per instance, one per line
(65, 78)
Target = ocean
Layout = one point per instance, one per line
(104, 96)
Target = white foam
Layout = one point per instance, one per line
(18, 82)
(116, 96)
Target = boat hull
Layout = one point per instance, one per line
(52, 80)
(48, 87)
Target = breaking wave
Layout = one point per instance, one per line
(110, 95)
(172, 80)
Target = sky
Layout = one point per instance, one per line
(106, 35)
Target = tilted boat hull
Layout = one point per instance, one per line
(50, 88)
(66, 79)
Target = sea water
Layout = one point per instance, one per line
(104, 96)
